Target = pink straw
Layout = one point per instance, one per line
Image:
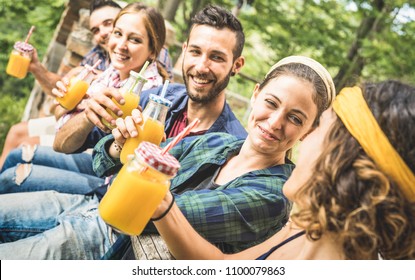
(180, 136)
(29, 34)
(89, 69)
(96, 64)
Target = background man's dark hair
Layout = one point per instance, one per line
(221, 18)
(96, 4)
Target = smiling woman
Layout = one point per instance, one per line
(351, 202)
(138, 36)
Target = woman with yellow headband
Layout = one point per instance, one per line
(353, 185)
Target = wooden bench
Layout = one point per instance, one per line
(150, 247)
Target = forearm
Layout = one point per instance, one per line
(59, 111)
(182, 240)
(46, 79)
(72, 134)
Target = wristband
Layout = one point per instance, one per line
(117, 147)
(165, 212)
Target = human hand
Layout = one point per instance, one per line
(97, 105)
(61, 87)
(164, 207)
(34, 62)
(127, 128)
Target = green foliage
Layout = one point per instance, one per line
(325, 30)
(16, 18)
(10, 110)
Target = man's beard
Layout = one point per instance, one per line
(213, 93)
(104, 44)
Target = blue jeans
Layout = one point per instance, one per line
(50, 170)
(51, 225)
(46, 156)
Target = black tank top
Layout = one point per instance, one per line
(266, 255)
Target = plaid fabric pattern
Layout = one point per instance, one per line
(93, 55)
(165, 61)
(236, 215)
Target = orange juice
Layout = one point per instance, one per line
(18, 65)
(136, 192)
(138, 189)
(131, 103)
(76, 91)
(151, 131)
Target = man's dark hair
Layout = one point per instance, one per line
(96, 4)
(221, 18)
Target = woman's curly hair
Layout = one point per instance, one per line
(350, 197)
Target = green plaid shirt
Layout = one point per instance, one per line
(236, 215)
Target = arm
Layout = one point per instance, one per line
(106, 154)
(72, 135)
(46, 79)
(185, 243)
(236, 217)
(182, 240)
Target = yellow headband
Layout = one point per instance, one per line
(316, 66)
(355, 114)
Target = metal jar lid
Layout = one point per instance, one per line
(151, 155)
(160, 100)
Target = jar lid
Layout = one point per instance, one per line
(151, 155)
(160, 100)
(23, 47)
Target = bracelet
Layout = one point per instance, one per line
(165, 212)
(117, 147)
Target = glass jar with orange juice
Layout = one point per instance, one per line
(19, 60)
(78, 86)
(138, 189)
(131, 93)
(152, 128)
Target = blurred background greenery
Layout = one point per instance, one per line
(355, 40)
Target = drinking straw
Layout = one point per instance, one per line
(140, 75)
(95, 65)
(89, 69)
(143, 68)
(29, 34)
(180, 136)
(163, 91)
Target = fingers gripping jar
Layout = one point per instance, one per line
(78, 86)
(152, 129)
(138, 189)
(130, 91)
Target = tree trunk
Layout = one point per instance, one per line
(160, 5)
(354, 64)
(170, 9)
